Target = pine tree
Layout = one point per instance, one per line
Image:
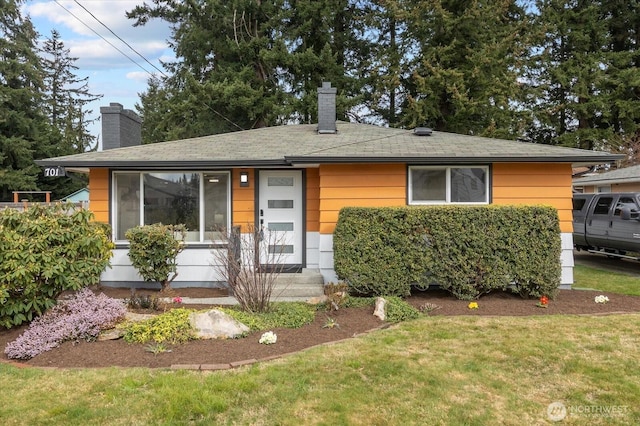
(465, 69)
(225, 76)
(66, 97)
(387, 65)
(23, 128)
(623, 77)
(570, 105)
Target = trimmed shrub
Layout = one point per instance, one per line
(467, 250)
(45, 250)
(153, 251)
(370, 251)
(81, 317)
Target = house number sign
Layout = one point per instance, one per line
(54, 171)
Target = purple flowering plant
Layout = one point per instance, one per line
(82, 316)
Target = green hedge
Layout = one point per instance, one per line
(467, 250)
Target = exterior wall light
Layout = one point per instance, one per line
(244, 178)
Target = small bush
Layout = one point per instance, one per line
(428, 307)
(251, 284)
(153, 251)
(336, 294)
(398, 310)
(144, 302)
(172, 327)
(45, 250)
(81, 317)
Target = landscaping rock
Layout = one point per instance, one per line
(111, 334)
(317, 300)
(381, 308)
(215, 324)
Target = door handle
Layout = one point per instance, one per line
(261, 212)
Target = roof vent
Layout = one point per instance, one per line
(422, 131)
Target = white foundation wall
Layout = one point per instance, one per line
(313, 250)
(566, 259)
(325, 262)
(195, 268)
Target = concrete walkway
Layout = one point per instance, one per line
(229, 300)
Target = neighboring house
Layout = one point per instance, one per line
(619, 180)
(80, 196)
(296, 178)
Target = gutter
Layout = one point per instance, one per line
(576, 160)
(165, 165)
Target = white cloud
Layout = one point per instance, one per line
(139, 76)
(110, 72)
(78, 32)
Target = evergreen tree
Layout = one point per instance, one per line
(66, 97)
(23, 127)
(465, 70)
(623, 77)
(570, 104)
(225, 77)
(326, 43)
(387, 67)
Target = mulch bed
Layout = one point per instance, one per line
(215, 354)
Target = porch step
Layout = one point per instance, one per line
(308, 283)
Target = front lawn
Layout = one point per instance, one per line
(435, 370)
(471, 370)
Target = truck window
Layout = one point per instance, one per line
(628, 202)
(602, 206)
(578, 203)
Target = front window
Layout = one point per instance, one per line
(441, 185)
(199, 200)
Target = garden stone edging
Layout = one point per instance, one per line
(236, 364)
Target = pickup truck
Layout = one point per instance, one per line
(607, 223)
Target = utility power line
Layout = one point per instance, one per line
(107, 41)
(134, 50)
(119, 38)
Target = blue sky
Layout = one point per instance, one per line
(110, 72)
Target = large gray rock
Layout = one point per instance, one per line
(215, 324)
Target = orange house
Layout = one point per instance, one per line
(294, 180)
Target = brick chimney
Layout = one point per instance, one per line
(327, 109)
(120, 127)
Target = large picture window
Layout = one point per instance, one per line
(441, 185)
(199, 200)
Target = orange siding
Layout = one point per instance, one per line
(313, 200)
(535, 183)
(242, 205)
(99, 194)
(359, 185)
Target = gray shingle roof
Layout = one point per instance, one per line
(628, 174)
(301, 144)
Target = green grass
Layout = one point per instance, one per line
(597, 279)
(433, 370)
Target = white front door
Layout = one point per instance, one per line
(280, 216)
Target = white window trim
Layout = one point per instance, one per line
(447, 184)
(201, 212)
